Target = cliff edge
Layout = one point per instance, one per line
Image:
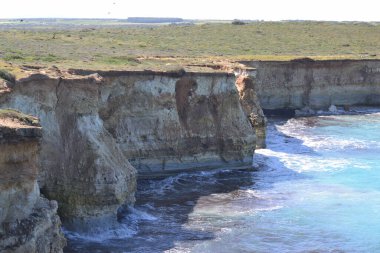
(28, 221)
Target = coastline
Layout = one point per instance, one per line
(130, 120)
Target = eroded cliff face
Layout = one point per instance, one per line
(161, 122)
(83, 168)
(167, 124)
(317, 84)
(28, 222)
(251, 105)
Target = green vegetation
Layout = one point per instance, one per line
(19, 116)
(97, 45)
(120, 60)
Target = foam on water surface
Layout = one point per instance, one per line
(314, 189)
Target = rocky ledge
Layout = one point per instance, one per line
(28, 221)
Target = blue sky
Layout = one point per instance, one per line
(338, 10)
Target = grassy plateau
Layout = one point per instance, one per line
(111, 44)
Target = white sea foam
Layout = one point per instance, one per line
(301, 129)
(124, 229)
(119, 231)
(311, 192)
(136, 214)
(306, 163)
(175, 183)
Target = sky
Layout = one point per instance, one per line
(335, 10)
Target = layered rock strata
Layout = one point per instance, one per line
(83, 167)
(161, 122)
(167, 124)
(317, 84)
(28, 222)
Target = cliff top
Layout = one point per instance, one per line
(18, 72)
(100, 45)
(16, 126)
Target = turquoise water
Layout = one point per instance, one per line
(316, 188)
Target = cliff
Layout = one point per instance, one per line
(83, 168)
(251, 105)
(162, 122)
(317, 84)
(101, 130)
(165, 124)
(28, 222)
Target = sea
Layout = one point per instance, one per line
(315, 188)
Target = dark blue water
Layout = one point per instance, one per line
(316, 188)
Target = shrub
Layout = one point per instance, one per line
(7, 76)
(176, 71)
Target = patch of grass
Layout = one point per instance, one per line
(12, 57)
(19, 116)
(121, 60)
(46, 58)
(12, 69)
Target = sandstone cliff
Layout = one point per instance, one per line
(28, 222)
(102, 129)
(166, 124)
(83, 168)
(161, 122)
(317, 84)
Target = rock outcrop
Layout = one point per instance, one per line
(83, 167)
(251, 105)
(166, 124)
(28, 221)
(306, 83)
(161, 122)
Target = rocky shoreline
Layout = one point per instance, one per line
(102, 130)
